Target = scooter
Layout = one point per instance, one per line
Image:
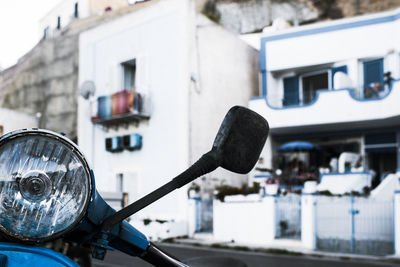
(47, 192)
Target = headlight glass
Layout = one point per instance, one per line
(45, 185)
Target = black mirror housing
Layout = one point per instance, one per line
(240, 139)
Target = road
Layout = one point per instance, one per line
(252, 259)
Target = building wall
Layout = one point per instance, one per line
(44, 83)
(194, 72)
(156, 37)
(225, 74)
(333, 46)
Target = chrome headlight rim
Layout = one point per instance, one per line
(88, 172)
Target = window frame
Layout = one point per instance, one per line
(313, 73)
(131, 63)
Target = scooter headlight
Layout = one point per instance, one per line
(45, 185)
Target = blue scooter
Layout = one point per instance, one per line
(47, 193)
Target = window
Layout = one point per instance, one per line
(76, 11)
(373, 71)
(46, 33)
(291, 91)
(373, 78)
(129, 75)
(302, 89)
(312, 83)
(58, 22)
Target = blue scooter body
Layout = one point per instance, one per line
(16, 255)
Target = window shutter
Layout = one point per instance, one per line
(291, 91)
(141, 74)
(373, 72)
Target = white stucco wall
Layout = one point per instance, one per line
(375, 40)
(225, 69)
(157, 37)
(12, 120)
(250, 220)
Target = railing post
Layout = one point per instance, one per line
(396, 207)
(352, 212)
(192, 216)
(308, 221)
(270, 208)
(398, 150)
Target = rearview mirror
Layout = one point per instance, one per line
(240, 139)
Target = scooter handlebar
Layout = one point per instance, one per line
(157, 257)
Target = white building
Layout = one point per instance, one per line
(67, 10)
(188, 72)
(324, 83)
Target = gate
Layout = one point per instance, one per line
(204, 215)
(355, 225)
(288, 216)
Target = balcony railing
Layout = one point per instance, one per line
(370, 92)
(122, 107)
(332, 107)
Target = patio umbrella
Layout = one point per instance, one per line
(297, 146)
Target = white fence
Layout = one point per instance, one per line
(337, 224)
(355, 224)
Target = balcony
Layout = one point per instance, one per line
(120, 108)
(333, 107)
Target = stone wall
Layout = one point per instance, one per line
(246, 16)
(44, 84)
(349, 8)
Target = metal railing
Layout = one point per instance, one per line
(204, 215)
(358, 93)
(355, 225)
(288, 216)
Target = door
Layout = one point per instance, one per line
(291, 91)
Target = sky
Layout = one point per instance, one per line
(19, 27)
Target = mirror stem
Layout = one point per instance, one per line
(207, 163)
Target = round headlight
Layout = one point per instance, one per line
(45, 185)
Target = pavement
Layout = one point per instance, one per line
(286, 253)
(283, 246)
(251, 259)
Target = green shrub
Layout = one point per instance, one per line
(227, 190)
